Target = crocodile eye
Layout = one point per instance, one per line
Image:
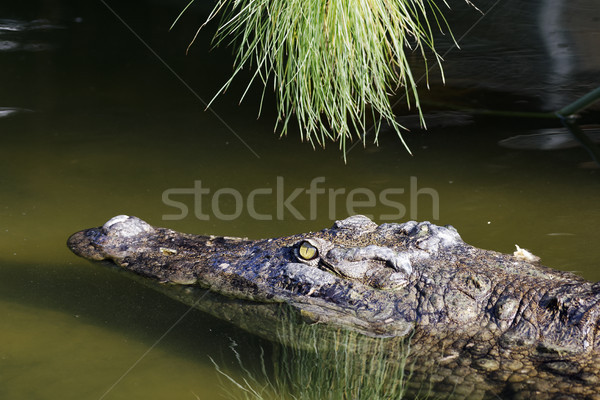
(307, 251)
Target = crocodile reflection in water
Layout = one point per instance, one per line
(481, 323)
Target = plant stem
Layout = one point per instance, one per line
(582, 138)
(580, 104)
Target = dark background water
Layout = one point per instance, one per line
(100, 119)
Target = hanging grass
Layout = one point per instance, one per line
(333, 64)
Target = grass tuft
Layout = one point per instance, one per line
(333, 64)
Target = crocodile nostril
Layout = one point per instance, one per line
(93, 234)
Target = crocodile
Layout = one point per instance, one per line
(480, 323)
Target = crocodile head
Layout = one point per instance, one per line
(380, 280)
(356, 274)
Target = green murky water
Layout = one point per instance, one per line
(112, 131)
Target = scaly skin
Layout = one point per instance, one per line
(480, 323)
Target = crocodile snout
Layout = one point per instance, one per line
(85, 244)
(112, 240)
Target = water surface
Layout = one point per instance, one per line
(99, 127)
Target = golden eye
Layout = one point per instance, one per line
(307, 251)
